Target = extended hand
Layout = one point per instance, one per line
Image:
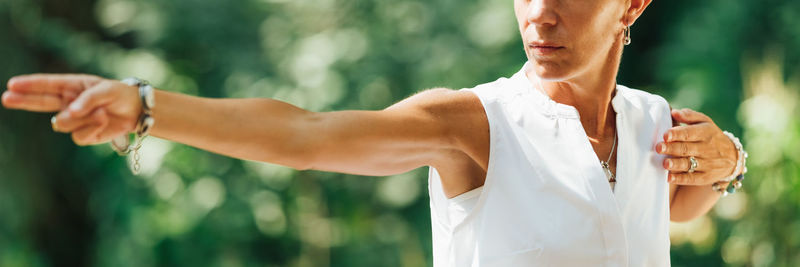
(93, 109)
(715, 154)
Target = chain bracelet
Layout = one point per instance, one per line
(136, 166)
(122, 144)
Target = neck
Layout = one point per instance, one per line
(590, 93)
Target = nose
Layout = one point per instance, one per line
(542, 12)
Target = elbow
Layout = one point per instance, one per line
(304, 162)
(298, 153)
(682, 216)
(305, 167)
(679, 219)
(686, 206)
(297, 157)
(303, 148)
(287, 157)
(295, 147)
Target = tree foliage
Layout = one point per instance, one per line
(62, 205)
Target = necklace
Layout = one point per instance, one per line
(612, 179)
(609, 175)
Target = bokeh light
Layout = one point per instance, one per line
(80, 206)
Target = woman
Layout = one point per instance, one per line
(523, 170)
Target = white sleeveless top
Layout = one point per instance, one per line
(546, 200)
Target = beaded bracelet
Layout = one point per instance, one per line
(735, 180)
(732, 187)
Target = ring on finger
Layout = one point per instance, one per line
(692, 164)
(54, 123)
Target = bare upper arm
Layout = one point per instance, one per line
(418, 131)
(462, 116)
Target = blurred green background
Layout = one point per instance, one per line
(63, 205)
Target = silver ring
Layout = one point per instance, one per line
(54, 123)
(692, 164)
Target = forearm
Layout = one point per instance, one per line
(690, 202)
(255, 129)
(418, 131)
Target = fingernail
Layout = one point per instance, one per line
(661, 147)
(669, 164)
(669, 136)
(75, 106)
(671, 179)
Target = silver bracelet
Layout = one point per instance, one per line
(122, 144)
(741, 157)
(736, 178)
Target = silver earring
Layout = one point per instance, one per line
(627, 32)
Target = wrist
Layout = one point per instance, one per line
(733, 183)
(741, 157)
(130, 107)
(145, 103)
(144, 123)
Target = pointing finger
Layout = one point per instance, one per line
(55, 84)
(32, 102)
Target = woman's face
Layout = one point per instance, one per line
(566, 38)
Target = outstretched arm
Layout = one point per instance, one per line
(403, 137)
(419, 131)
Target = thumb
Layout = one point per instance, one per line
(689, 116)
(90, 99)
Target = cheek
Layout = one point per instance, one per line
(596, 38)
(519, 11)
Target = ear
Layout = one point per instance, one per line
(635, 10)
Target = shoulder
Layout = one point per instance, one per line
(459, 114)
(455, 111)
(491, 91)
(653, 106)
(462, 101)
(643, 100)
(440, 101)
(641, 97)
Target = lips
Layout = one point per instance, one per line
(543, 48)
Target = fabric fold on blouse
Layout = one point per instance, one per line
(546, 200)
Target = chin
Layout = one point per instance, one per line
(549, 71)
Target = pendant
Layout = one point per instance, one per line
(612, 181)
